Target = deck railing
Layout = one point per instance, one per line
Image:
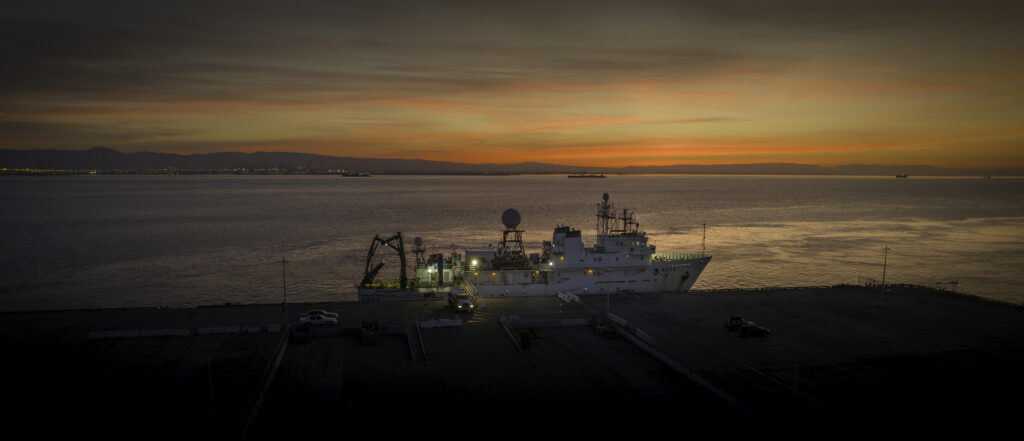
(660, 257)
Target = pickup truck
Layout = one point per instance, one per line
(461, 302)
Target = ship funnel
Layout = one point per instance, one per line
(511, 218)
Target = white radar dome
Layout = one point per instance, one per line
(511, 218)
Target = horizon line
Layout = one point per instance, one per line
(1010, 170)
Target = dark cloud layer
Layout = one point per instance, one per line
(120, 46)
(93, 56)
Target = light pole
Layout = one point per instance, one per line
(284, 286)
(885, 260)
(796, 368)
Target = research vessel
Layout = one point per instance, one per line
(621, 261)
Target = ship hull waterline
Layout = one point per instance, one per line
(664, 276)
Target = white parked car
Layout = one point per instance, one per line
(317, 319)
(321, 312)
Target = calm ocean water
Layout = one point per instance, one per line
(124, 241)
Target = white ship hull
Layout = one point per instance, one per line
(666, 276)
(621, 261)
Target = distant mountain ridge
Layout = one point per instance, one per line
(102, 158)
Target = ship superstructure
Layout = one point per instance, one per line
(620, 261)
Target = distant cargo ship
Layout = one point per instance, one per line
(586, 175)
(901, 175)
(621, 261)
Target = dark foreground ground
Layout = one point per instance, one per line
(845, 356)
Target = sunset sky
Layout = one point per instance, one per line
(576, 83)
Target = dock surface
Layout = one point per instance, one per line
(833, 354)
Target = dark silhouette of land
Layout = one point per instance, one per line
(109, 161)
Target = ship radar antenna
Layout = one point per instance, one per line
(511, 219)
(511, 253)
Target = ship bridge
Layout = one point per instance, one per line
(620, 243)
(619, 232)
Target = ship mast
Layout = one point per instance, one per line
(629, 223)
(606, 220)
(419, 251)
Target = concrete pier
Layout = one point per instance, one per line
(841, 354)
